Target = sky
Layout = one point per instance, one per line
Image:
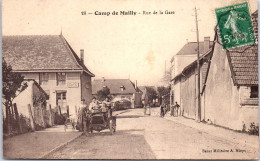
(117, 46)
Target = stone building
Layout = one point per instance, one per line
(229, 86)
(119, 89)
(54, 65)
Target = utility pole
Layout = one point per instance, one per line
(165, 67)
(198, 68)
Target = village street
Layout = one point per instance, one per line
(153, 137)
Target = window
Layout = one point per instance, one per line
(254, 92)
(122, 88)
(61, 96)
(61, 78)
(44, 77)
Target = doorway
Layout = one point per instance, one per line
(61, 100)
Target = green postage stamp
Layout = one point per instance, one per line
(235, 25)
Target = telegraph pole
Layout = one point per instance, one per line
(165, 67)
(198, 68)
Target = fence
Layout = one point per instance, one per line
(17, 123)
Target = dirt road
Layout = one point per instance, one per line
(153, 137)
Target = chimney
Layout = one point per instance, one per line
(82, 55)
(135, 84)
(206, 43)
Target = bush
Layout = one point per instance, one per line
(59, 119)
(254, 129)
(25, 123)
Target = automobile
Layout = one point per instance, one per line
(122, 104)
(99, 119)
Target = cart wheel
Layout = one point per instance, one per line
(111, 127)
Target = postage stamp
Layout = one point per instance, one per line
(235, 25)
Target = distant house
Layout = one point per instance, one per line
(54, 65)
(229, 86)
(119, 89)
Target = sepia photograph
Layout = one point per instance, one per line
(130, 79)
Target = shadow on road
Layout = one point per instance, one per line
(124, 144)
(119, 132)
(128, 116)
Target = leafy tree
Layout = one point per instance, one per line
(12, 86)
(103, 93)
(164, 93)
(151, 93)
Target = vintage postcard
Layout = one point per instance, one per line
(130, 79)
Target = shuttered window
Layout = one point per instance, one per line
(61, 78)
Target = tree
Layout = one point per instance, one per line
(103, 93)
(151, 93)
(166, 79)
(12, 86)
(164, 93)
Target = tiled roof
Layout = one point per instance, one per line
(114, 86)
(243, 60)
(191, 48)
(40, 52)
(244, 66)
(255, 23)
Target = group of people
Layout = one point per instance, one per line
(164, 108)
(94, 107)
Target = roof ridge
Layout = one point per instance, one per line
(46, 52)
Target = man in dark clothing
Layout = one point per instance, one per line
(85, 117)
(172, 110)
(177, 106)
(162, 109)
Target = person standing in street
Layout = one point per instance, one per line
(149, 107)
(162, 107)
(172, 110)
(154, 102)
(83, 108)
(108, 106)
(177, 106)
(144, 106)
